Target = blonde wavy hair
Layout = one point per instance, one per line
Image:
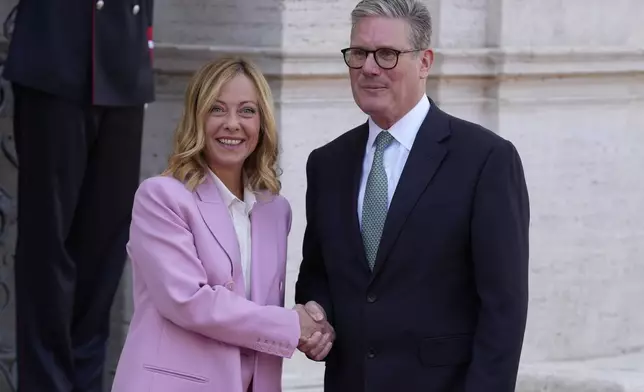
(188, 162)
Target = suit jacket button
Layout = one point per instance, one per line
(371, 298)
(371, 354)
(99, 4)
(136, 9)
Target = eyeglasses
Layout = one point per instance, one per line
(386, 58)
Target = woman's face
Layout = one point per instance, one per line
(233, 125)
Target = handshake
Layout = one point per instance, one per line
(316, 334)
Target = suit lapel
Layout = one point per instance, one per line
(215, 213)
(264, 251)
(356, 157)
(424, 160)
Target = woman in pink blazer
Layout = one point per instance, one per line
(208, 248)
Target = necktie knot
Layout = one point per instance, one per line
(383, 140)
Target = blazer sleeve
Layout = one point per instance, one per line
(162, 248)
(500, 223)
(312, 282)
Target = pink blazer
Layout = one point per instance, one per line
(191, 318)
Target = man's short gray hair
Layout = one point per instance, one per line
(413, 11)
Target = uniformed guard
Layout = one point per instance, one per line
(81, 73)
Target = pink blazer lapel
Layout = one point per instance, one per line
(218, 220)
(264, 250)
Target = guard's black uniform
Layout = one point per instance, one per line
(81, 72)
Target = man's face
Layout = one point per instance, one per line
(388, 94)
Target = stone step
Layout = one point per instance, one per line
(622, 373)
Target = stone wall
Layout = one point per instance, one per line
(564, 81)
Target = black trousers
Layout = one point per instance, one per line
(78, 171)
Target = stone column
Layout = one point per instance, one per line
(571, 97)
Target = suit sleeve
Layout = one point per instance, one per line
(312, 282)
(499, 231)
(162, 249)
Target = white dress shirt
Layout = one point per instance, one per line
(240, 214)
(395, 156)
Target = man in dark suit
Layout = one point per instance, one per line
(416, 244)
(81, 74)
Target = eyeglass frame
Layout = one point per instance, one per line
(375, 58)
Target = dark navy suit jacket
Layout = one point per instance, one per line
(445, 308)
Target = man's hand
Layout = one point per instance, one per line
(318, 343)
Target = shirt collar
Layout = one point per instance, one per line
(404, 130)
(229, 198)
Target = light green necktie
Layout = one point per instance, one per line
(374, 206)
